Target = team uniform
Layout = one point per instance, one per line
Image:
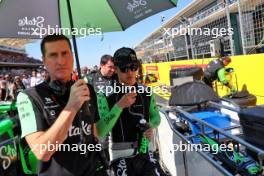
(125, 135)
(101, 83)
(38, 109)
(215, 70)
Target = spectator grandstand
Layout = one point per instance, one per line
(16, 62)
(16, 57)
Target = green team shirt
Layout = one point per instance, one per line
(221, 76)
(27, 115)
(38, 110)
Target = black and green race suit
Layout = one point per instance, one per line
(210, 73)
(124, 133)
(111, 115)
(38, 109)
(216, 71)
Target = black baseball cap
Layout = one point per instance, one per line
(125, 56)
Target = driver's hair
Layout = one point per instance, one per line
(227, 59)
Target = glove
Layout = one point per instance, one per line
(233, 90)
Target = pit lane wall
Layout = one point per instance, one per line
(249, 70)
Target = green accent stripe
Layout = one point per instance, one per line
(174, 2)
(6, 125)
(26, 115)
(154, 113)
(108, 117)
(221, 76)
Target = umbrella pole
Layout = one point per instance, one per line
(86, 106)
(74, 40)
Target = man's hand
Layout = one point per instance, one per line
(149, 134)
(79, 94)
(127, 100)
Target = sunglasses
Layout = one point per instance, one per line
(133, 67)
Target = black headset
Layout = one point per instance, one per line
(60, 89)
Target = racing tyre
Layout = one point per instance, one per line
(249, 100)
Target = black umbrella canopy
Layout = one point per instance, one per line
(37, 18)
(192, 93)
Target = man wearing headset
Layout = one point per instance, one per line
(123, 113)
(104, 77)
(215, 70)
(102, 80)
(57, 122)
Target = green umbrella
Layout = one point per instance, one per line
(37, 18)
(112, 15)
